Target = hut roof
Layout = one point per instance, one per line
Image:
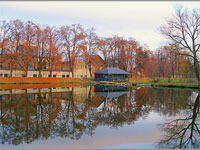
(109, 70)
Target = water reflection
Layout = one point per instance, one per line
(27, 115)
(184, 131)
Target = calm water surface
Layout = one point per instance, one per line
(98, 117)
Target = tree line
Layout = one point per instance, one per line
(46, 47)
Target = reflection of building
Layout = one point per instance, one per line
(111, 74)
(63, 93)
(111, 95)
(110, 91)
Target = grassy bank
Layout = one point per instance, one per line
(32, 80)
(153, 82)
(165, 82)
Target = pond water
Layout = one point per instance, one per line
(98, 117)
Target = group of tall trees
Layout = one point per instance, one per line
(44, 47)
(25, 43)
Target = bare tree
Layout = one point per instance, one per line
(183, 29)
(91, 42)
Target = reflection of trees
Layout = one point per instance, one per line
(183, 132)
(24, 119)
(166, 101)
(68, 123)
(118, 111)
(28, 117)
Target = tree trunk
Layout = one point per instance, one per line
(196, 69)
(51, 71)
(90, 69)
(26, 71)
(40, 73)
(72, 69)
(11, 69)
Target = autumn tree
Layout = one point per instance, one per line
(40, 49)
(183, 29)
(131, 47)
(4, 35)
(91, 48)
(140, 56)
(4, 40)
(71, 39)
(119, 53)
(103, 48)
(169, 64)
(16, 40)
(26, 48)
(54, 58)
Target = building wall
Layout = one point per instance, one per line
(81, 69)
(19, 73)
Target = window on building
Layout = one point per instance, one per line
(30, 96)
(54, 75)
(30, 66)
(5, 75)
(44, 96)
(34, 75)
(1, 75)
(49, 75)
(85, 66)
(63, 75)
(81, 76)
(67, 76)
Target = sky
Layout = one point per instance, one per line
(139, 20)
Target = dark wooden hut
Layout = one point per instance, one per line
(111, 74)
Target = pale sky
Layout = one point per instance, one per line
(139, 20)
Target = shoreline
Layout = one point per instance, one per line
(77, 81)
(168, 85)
